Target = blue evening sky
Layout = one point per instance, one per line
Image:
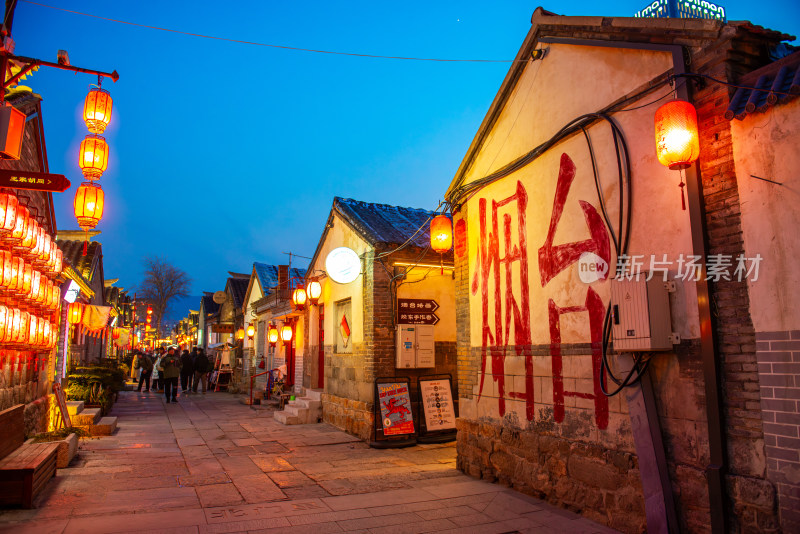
(223, 154)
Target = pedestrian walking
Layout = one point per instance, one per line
(187, 371)
(201, 366)
(147, 369)
(157, 377)
(170, 371)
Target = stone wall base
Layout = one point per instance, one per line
(600, 484)
(352, 416)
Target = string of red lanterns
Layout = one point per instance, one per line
(89, 201)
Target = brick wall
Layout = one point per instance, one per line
(778, 355)
(753, 503)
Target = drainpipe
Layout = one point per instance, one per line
(717, 467)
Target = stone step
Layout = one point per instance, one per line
(305, 402)
(105, 426)
(74, 407)
(314, 394)
(286, 419)
(86, 417)
(298, 411)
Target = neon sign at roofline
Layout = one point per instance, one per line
(684, 9)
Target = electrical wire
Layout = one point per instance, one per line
(283, 47)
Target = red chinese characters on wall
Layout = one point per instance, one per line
(512, 312)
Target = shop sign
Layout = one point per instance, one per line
(34, 181)
(222, 328)
(343, 265)
(417, 311)
(437, 403)
(395, 405)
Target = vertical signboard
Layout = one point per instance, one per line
(395, 404)
(437, 403)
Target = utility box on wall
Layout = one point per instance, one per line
(415, 346)
(640, 315)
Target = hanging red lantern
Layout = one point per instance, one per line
(29, 241)
(8, 213)
(20, 226)
(251, 331)
(286, 333)
(314, 291)
(240, 334)
(299, 298)
(149, 310)
(441, 234)
(272, 334)
(89, 204)
(93, 157)
(75, 313)
(44, 254)
(115, 333)
(97, 110)
(5, 272)
(33, 327)
(677, 138)
(56, 297)
(59, 265)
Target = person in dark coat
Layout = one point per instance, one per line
(147, 369)
(187, 371)
(170, 371)
(201, 369)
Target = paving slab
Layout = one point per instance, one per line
(210, 464)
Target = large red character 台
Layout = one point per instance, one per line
(553, 259)
(508, 312)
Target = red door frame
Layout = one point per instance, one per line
(321, 354)
(290, 359)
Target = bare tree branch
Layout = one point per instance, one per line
(162, 283)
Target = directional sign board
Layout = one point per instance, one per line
(34, 181)
(417, 311)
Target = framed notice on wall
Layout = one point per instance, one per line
(437, 404)
(395, 403)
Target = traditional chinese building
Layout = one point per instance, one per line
(560, 185)
(352, 332)
(207, 308)
(268, 301)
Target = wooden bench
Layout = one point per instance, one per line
(25, 469)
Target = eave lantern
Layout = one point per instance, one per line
(299, 298)
(75, 312)
(93, 157)
(314, 291)
(89, 204)
(97, 110)
(240, 334)
(677, 137)
(286, 333)
(251, 331)
(441, 234)
(272, 334)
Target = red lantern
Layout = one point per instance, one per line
(299, 298)
(8, 213)
(29, 241)
(21, 328)
(75, 312)
(6, 274)
(272, 334)
(3, 320)
(677, 138)
(93, 157)
(20, 226)
(44, 254)
(441, 234)
(89, 203)
(59, 265)
(314, 291)
(56, 298)
(97, 110)
(286, 333)
(33, 326)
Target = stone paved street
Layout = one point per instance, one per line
(211, 464)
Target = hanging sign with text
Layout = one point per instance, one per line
(34, 181)
(417, 311)
(437, 403)
(395, 405)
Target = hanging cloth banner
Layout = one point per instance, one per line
(124, 337)
(95, 319)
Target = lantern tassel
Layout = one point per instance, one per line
(86, 243)
(683, 199)
(441, 264)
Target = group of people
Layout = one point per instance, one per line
(165, 367)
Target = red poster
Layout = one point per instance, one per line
(395, 404)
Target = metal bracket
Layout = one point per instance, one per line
(675, 338)
(670, 286)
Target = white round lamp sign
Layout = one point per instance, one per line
(343, 265)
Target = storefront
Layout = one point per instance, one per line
(380, 286)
